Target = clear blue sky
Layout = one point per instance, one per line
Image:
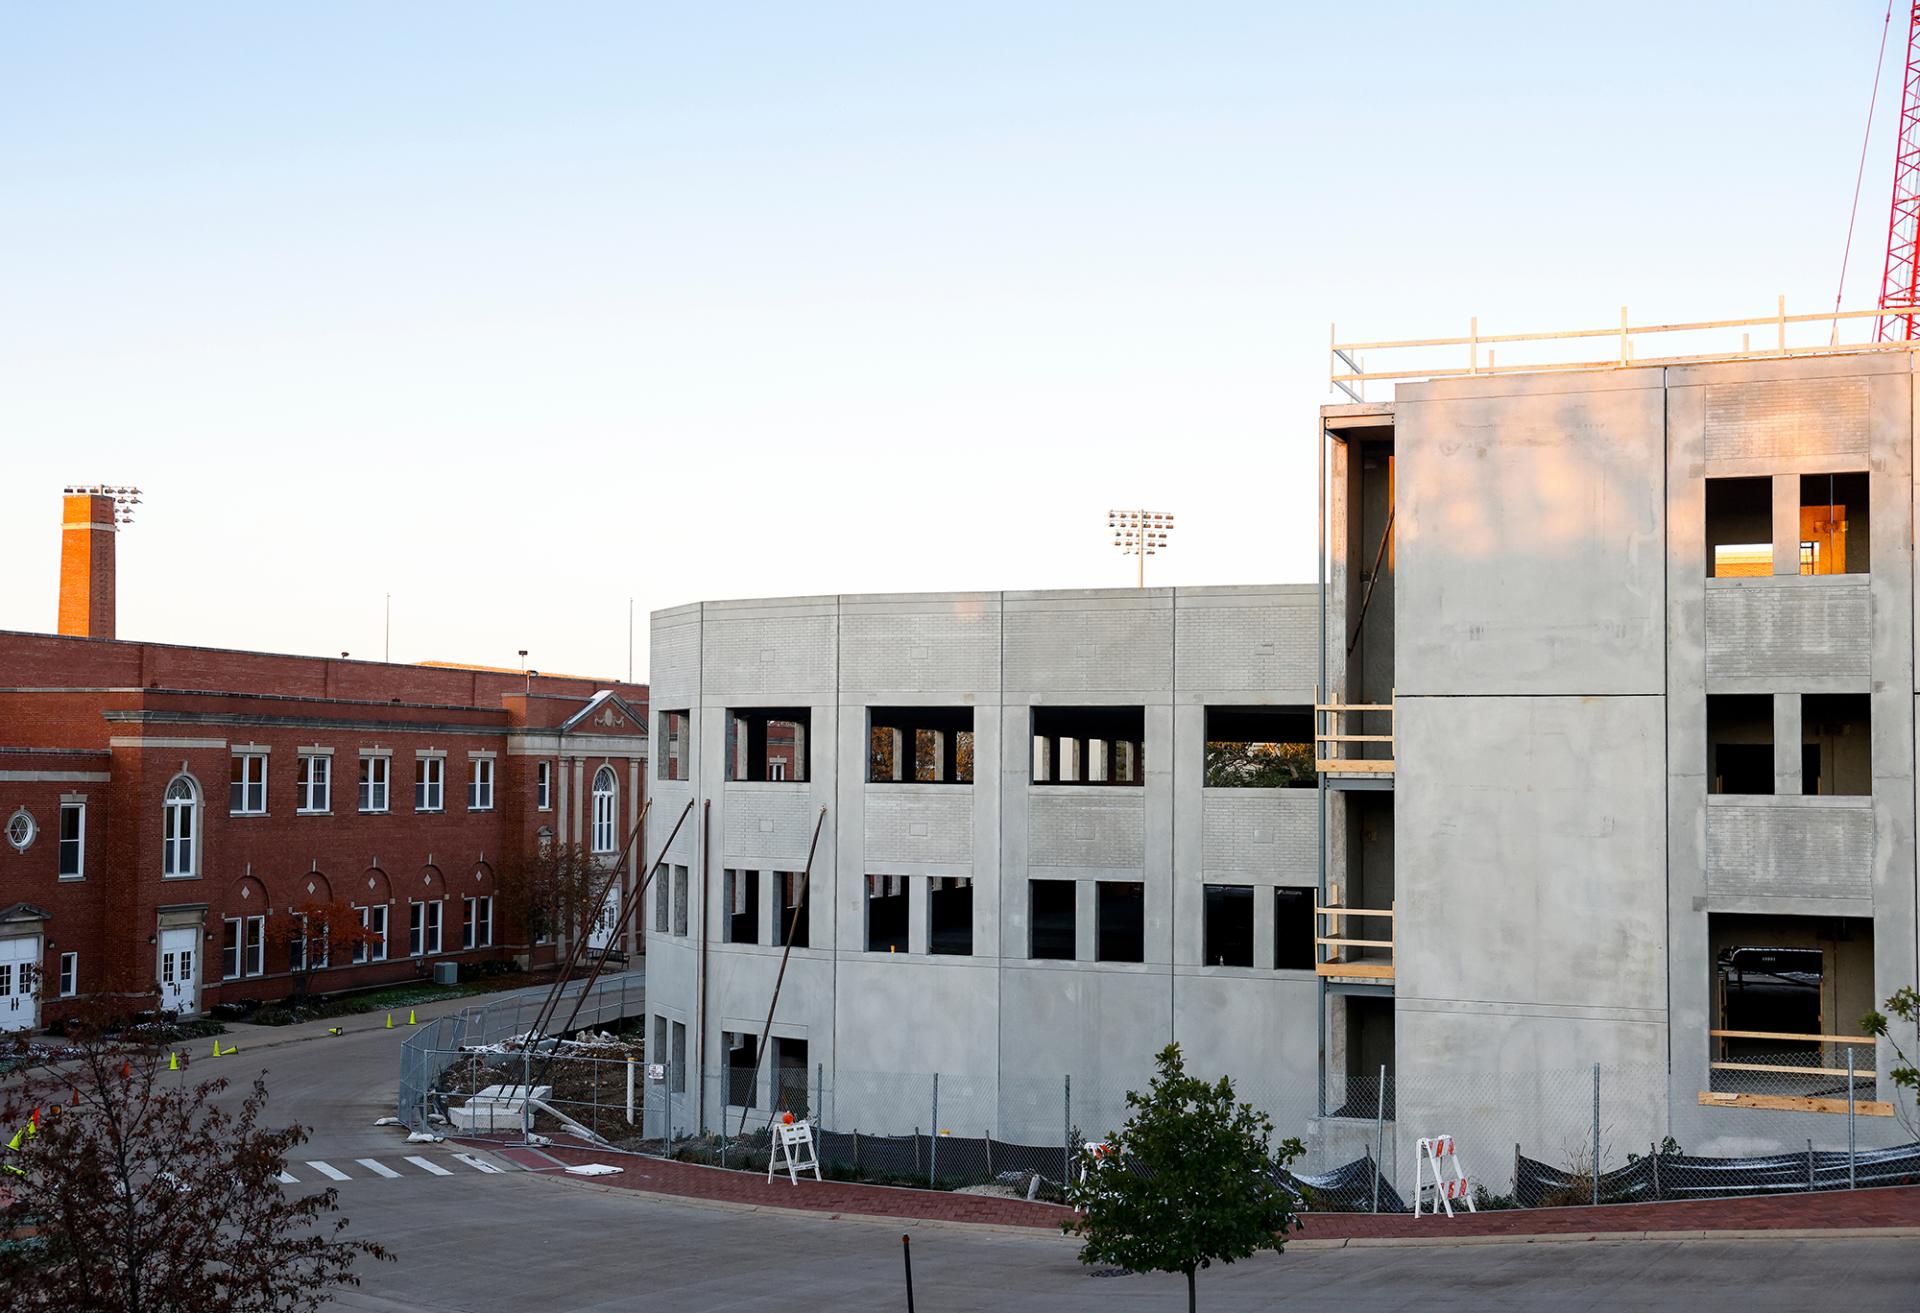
(516, 311)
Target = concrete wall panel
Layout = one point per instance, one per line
(1267, 834)
(1789, 630)
(1097, 828)
(928, 823)
(1789, 847)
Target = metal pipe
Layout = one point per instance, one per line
(1596, 1133)
(1319, 780)
(575, 946)
(1379, 1133)
(700, 1032)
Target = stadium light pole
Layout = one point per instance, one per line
(1141, 534)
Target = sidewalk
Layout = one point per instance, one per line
(1890, 1210)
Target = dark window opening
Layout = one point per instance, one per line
(1260, 748)
(1120, 921)
(741, 1048)
(742, 899)
(1050, 917)
(676, 745)
(768, 743)
(1836, 753)
(924, 745)
(1739, 528)
(791, 1075)
(1833, 524)
(1740, 743)
(790, 912)
(887, 907)
(1229, 925)
(1293, 929)
(1088, 745)
(950, 915)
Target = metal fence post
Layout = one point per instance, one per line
(1809, 1164)
(666, 1096)
(1850, 1140)
(1066, 1132)
(526, 1090)
(819, 1093)
(1596, 1133)
(933, 1135)
(1379, 1133)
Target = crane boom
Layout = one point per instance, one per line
(1900, 283)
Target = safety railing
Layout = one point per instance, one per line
(1832, 1077)
(1334, 952)
(1338, 752)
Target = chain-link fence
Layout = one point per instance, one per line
(439, 1044)
(1538, 1139)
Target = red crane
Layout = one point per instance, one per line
(1900, 284)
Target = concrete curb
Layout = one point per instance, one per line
(1611, 1237)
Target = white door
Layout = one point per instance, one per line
(602, 933)
(19, 994)
(179, 978)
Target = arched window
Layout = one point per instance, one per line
(182, 814)
(606, 794)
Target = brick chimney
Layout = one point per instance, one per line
(86, 565)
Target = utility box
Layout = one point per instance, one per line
(446, 973)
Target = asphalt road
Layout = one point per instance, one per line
(480, 1241)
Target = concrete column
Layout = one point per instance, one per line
(1083, 914)
(1786, 525)
(1789, 776)
(918, 887)
(770, 907)
(561, 800)
(1263, 926)
(581, 801)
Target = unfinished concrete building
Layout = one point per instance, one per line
(1615, 766)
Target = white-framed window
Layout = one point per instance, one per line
(313, 788)
(242, 946)
(299, 948)
(423, 928)
(73, 840)
(373, 919)
(606, 801)
(247, 794)
(374, 773)
(777, 769)
(480, 787)
(179, 853)
(69, 974)
(543, 786)
(479, 928)
(429, 784)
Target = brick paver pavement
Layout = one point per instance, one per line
(1893, 1207)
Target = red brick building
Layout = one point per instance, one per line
(162, 804)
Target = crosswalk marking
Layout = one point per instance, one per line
(378, 1168)
(287, 1178)
(328, 1170)
(478, 1164)
(427, 1166)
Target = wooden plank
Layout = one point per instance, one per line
(1354, 738)
(1789, 1103)
(1353, 706)
(1364, 970)
(1804, 1038)
(1388, 943)
(1791, 1071)
(1343, 910)
(1353, 766)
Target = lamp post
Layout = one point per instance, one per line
(1140, 534)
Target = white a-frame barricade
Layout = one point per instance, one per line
(793, 1142)
(1436, 1153)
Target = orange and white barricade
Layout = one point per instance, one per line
(793, 1142)
(1438, 1153)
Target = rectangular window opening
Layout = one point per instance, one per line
(1836, 732)
(741, 1067)
(677, 1060)
(1740, 743)
(790, 909)
(1739, 528)
(768, 743)
(313, 783)
(69, 974)
(543, 786)
(1260, 748)
(1050, 920)
(1089, 745)
(676, 753)
(429, 784)
(1120, 921)
(480, 786)
(741, 895)
(950, 915)
(1229, 925)
(1834, 536)
(73, 840)
(1293, 929)
(374, 772)
(792, 1075)
(887, 909)
(679, 900)
(247, 792)
(920, 745)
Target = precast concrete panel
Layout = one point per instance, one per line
(769, 653)
(1789, 847)
(1101, 1025)
(1266, 834)
(920, 643)
(929, 824)
(1810, 633)
(1528, 535)
(1111, 643)
(1247, 644)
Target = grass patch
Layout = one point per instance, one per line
(382, 1000)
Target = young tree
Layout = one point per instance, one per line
(553, 891)
(142, 1195)
(1189, 1180)
(317, 934)
(1904, 1004)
